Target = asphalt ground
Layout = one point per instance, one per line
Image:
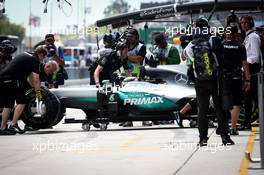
(155, 150)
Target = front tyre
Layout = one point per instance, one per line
(51, 107)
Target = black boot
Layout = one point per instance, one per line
(226, 140)
(203, 141)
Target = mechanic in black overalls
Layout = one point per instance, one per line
(108, 41)
(205, 53)
(109, 61)
(234, 60)
(24, 67)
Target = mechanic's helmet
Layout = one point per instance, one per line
(202, 22)
(41, 49)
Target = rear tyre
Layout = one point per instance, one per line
(60, 116)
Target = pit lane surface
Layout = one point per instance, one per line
(163, 149)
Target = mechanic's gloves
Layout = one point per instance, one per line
(38, 101)
(38, 95)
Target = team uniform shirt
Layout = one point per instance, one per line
(111, 63)
(104, 52)
(17, 71)
(252, 43)
(234, 55)
(21, 67)
(139, 49)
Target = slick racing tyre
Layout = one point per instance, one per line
(60, 116)
(50, 109)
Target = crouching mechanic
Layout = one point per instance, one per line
(109, 62)
(25, 67)
(54, 52)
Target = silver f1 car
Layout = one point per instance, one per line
(152, 99)
(166, 90)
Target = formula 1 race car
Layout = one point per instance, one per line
(165, 90)
(153, 99)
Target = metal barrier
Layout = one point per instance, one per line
(261, 121)
(261, 117)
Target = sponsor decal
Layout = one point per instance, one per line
(112, 97)
(158, 13)
(230, 47)
(145, 100)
